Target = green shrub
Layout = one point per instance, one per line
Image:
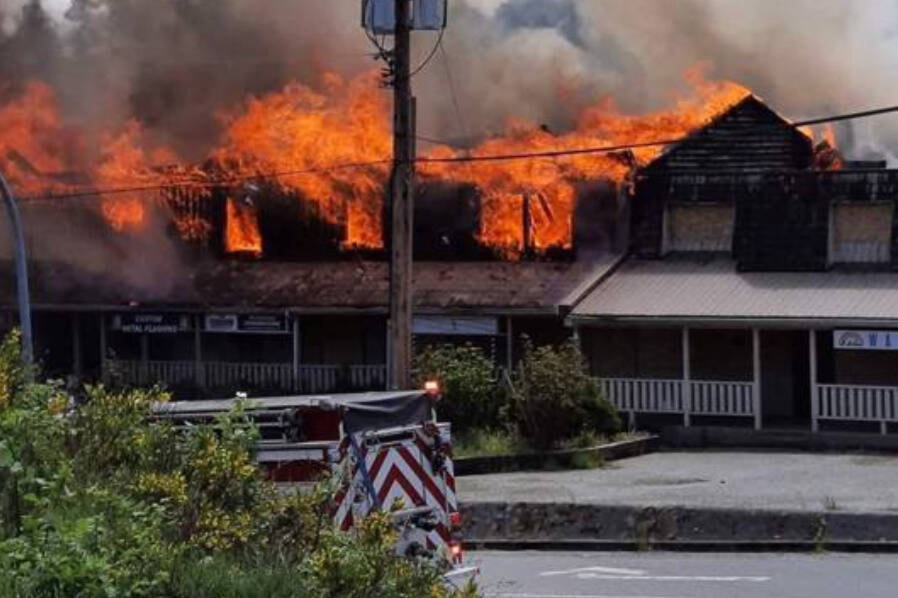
(468, 384)
(104, 502)
(553, 397)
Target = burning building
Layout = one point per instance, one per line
(203, 212)
(760, 288)
(261, 266)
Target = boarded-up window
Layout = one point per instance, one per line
(707, 227)
(862, 233)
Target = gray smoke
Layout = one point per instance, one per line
(175, 65)
(805, 57)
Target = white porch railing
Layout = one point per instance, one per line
(321, 378)
(239, 376)
(644, 396)
(221, 374)
(695, 397)
(171, 373)
(842, 402)
(723, 398)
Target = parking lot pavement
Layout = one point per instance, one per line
(709, 479)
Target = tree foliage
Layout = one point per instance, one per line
(101, 501)
(467, 382)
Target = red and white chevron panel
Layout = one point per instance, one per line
(402, 474)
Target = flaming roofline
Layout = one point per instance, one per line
(723, 115)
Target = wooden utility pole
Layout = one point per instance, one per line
(401, 205)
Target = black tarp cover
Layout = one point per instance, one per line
(361, 411)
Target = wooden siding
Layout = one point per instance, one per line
(748, 137)
(785, 226)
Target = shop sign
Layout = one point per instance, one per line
(247, 323)
(865, 340)
(143, 323)
(455, 326)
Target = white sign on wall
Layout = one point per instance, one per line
(865, 340)
(455, 326)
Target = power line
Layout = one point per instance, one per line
(604, 149)
(216, 182)
(844, 117)
(433, 51)
(647, 144)
(201, 184)
(451, 80)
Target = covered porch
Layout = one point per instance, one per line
(218, 354)
(694, 342)
(790, 386)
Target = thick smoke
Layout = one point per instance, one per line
(177, 65)
(544, 58)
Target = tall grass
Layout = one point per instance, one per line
(218, 578)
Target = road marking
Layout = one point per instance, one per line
(571, 596)
(605, 570)
(671, 578)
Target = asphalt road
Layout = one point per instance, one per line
(676, 575)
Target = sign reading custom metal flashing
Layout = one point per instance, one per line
(247, 323)
(865, 340)
(149, 323)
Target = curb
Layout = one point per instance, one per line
(578, 526)
(564, 459)
(748, 546)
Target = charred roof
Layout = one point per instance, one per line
(538, 287)
(750, 136)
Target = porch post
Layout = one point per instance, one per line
(297, 353)
(509, 345)
(812, 351)
(77, 358)
(144, 358)
(756, 389)
(198, 369)
(103, 372)
(687, 381)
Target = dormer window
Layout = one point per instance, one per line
(704, 227)
(861, 233)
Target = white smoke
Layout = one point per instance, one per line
(805, 57)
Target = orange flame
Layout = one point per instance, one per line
(125, 164)
(242, 229)
(552, 181)
(827, 155)
(34, 145)
(302, 133)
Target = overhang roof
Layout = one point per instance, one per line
(538, 287)
(710, 289)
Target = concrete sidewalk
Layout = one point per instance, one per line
(759, 501)
(708, 479)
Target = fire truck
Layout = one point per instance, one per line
(385, 451)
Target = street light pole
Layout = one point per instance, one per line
(24, 300)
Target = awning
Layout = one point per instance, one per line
(686, 289)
